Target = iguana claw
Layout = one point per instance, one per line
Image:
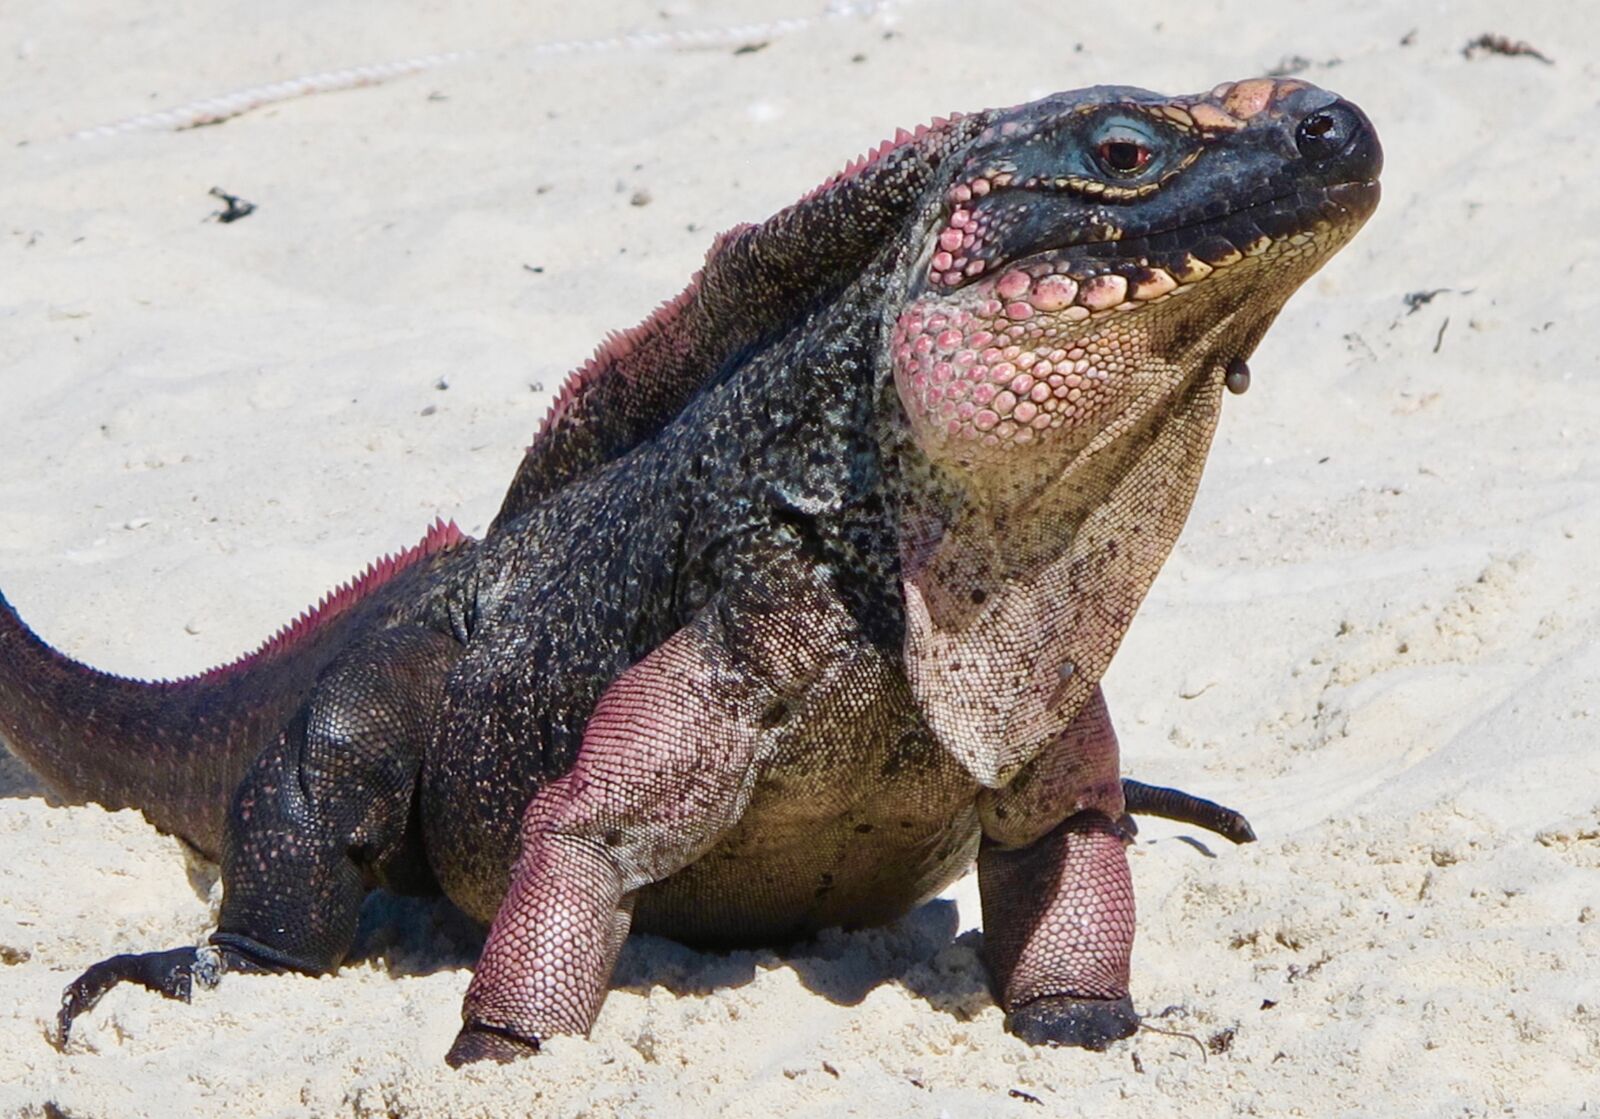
(173, 973)
(170, 973)
(477, 1042)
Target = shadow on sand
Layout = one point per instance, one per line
(922, 952)
(16, 779)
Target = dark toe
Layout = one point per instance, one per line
(167, 973)
(1064, 1020)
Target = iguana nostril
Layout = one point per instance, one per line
(1326, 132)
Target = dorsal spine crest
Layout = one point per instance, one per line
(441, 536)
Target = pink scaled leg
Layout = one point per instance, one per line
(1057, 895)
(667, 765)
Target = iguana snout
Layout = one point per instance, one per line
(1096, 250)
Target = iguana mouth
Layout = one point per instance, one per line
(1288, 215)
(1114, 272)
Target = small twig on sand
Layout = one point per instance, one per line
(1145, 1025)
(1501, 44)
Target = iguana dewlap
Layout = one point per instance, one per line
(798, 603)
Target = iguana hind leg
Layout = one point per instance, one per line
(322, 816)
(1186, 808)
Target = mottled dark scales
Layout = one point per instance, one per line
(798, 604)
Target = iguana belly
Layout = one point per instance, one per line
(856, 818)
(766, 890)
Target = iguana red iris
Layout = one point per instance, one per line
(798, 603)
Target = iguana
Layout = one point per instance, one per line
(798, 603)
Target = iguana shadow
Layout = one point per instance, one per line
(16, 780)
(409, 936)
(921, 952)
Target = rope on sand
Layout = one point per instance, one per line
(210, 110)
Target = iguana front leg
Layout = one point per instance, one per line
(1057, 894)
(667, 764)
(322, 816)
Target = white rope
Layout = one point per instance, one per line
(210, 110)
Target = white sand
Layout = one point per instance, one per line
(1378, 634)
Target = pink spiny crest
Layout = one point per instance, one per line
(868, 159)
(610, 355)
(441, 536)
(659, 329)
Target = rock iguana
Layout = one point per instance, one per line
(799, 601)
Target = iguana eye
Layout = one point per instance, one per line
(1123, 156)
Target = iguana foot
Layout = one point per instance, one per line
(1186, 808)
(171, 973)
(477, 1042)
(1065, 1020)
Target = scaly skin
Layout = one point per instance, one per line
(799, 601)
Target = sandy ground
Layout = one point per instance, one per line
(1378, 633)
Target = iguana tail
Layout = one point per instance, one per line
(177, 749)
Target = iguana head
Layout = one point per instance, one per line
(1097, 249)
